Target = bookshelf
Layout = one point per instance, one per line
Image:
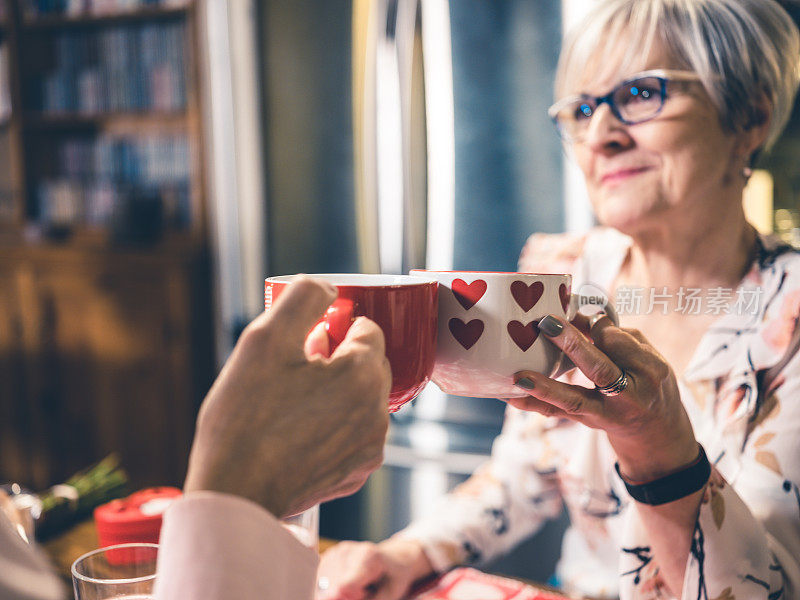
(105, 302)
(110, 99)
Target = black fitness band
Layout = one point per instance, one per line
(673, 486)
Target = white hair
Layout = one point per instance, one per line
(743, 50)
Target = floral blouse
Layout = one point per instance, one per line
(746, 542)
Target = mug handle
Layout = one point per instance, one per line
(338, 319)
(575, 301)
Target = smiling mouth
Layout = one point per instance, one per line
(621, 175)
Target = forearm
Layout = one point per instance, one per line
(471, 533)
(217, 545)
(669, 529)
(675, 480)
(730, 553)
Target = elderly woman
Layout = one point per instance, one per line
(675, 449)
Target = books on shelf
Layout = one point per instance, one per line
(75, 8)
(92, 178)
(88, 165)
(134, 67)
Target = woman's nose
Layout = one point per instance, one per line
(606, 131)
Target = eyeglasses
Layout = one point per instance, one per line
(633, 101)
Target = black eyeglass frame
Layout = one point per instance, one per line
(664, 76)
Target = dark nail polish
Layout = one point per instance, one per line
(525, 383)
(550, 326)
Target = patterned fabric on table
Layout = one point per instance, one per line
(746, 542)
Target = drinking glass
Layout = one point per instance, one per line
(123, 572)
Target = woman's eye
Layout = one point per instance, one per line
(583, 111)
(638, 93)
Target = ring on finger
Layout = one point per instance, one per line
(323, 583)
(615, 388)
(595, 318)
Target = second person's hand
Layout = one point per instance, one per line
(286, 426)
(367, 571)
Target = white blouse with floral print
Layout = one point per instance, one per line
(746, 542)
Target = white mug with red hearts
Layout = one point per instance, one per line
(488, 329)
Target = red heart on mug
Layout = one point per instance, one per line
(563, 293)
(468, 294)
(466, 333)
(527, 295)
(523, 335)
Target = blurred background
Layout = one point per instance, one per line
(159, 158)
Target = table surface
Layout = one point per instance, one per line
(65, 548)
(82, 538)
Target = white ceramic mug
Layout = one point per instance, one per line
(488, 329)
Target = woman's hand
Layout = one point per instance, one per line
(646, 423)
(363, 570)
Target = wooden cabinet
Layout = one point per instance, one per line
(103, 352)
(14, 442)
(102, 349)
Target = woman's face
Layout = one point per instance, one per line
(679, 166)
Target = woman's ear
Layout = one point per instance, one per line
(753, 135)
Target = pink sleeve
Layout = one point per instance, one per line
(219, 546)
(551, 253)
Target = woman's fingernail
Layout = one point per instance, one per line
(550, 326)
(525, 383)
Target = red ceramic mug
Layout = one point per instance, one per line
(404, 307)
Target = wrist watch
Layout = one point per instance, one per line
(674, 486)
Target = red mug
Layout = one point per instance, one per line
(406, 309)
